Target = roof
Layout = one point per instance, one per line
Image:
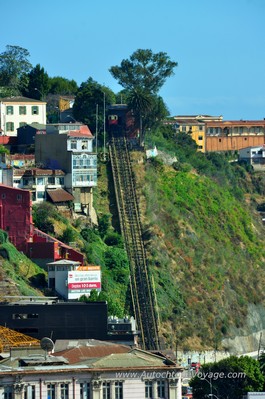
(92, 349)
(64, 262)
(20, 99)
(59, 195)
(134, 358)
(38, 172)
(83, 131)
(10, 338)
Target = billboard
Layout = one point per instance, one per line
(83, 280)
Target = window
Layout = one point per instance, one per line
(21, 124)
(118, 390)
(40, 181)
(29, 392)
(73, 145)
(64, 391)
(23, 316)
(84, 145)
(184, 128)
(8, 392)
(200, 147)
(10, 110)
(85, 390)
(161, 389)
(22, 110)
(241, 130)
(35, 110)
(148, 390)
(41, 194)
(200, 138)
(51, 391)
(106, 390)
(51, 180)
(200, 127)
(9, 126)
(60, 180)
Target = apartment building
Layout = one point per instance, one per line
(72, 152)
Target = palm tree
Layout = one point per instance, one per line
(140, 102)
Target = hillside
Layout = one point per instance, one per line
(203, 236)
(18, 275)
(204, 240)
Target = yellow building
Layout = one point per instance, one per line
(195, 128)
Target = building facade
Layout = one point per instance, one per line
(254, 156)
(71, 151)
(70, 280)
(19, 111)
(195, 128)
(135, 374)
(39, 181)
(234, 135)
(16, 216)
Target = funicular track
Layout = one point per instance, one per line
(141, 287)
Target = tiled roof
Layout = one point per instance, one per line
(59, 195)
(84, 131)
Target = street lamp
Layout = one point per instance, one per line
(70, 116)
(41, 94)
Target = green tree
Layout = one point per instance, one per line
(117, 261)
(144, 69)
(142, 76)
(42, 214)
(63, 86)
(89, 104)
(14, 66)
(38, 83)
(228, 379)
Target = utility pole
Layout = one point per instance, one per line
(104, 128)
(96, 128)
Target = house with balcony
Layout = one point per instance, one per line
(41, 182)
(234, 135)
(19, 111)
(72, 152)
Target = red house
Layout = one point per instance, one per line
(16, 220)
(15, 216)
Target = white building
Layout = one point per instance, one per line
(19, 111)
(129, 375)
(71, 280)
(254, 156)
(71, 151)
(41, 182)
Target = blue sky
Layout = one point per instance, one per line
(218, 44)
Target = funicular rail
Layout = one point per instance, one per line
(141, 287)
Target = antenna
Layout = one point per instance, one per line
(47, 345)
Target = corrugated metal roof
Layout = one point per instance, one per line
(59, 195)
(82, 353)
